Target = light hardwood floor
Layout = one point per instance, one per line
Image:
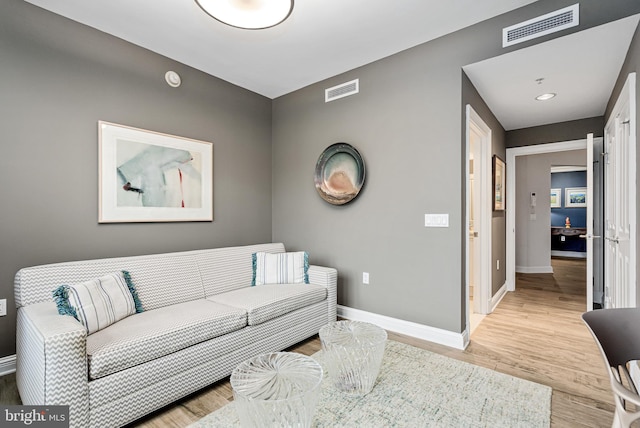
(535, 333)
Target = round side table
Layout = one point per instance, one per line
(353, 352)
(280, 389)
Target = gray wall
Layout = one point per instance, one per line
(555, 132)
(57, 79)
(471, 96)
(631, 64)
(533, 237)
(406, 123)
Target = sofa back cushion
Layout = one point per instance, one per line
(160, 279)
(228, 269)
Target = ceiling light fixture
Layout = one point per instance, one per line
(172, 78)
(545, 97)
(248, 14)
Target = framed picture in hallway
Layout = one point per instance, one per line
(146, 176)
(556, 201)
(575, 197)
(499, 181)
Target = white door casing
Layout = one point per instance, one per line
(478, 130)
(512, 154)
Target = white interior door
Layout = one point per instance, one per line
(589, 236)
(620, 201)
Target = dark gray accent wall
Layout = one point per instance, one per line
(57, 79)
(471, 96)
(556, 132)
(631, 64)
(406, 123)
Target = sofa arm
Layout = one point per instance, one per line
(51, 360)
(327, 277)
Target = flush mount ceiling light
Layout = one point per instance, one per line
(545, 97)
(248, 14)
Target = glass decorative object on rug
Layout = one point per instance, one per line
(353, 354)
(280, 389)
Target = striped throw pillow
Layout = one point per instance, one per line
(99, 302)
(280, 268)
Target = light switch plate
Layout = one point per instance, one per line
(436, 220)
(3, 307)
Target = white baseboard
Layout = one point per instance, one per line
(534, 269)
(496, 298)
(420, 331)
(573, 254)
(7, 365)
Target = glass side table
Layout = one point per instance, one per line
(353, 352)
(280, 389)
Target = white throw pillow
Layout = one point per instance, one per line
(280, 268)
(99, 302)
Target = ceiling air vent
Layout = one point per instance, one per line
(545, 24)
(341, 91)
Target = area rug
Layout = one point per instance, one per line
(417, 388)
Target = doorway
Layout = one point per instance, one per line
(512, 212)
(478, 219)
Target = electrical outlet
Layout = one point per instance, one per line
(365, 277)
(3, 307)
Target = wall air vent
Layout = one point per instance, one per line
(545, 24)
(341, 91)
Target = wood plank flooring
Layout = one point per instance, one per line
(535, 333)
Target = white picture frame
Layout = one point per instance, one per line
(556, 198)
(147, 176)
(575, 197)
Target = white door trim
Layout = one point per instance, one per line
(512, 153)
(483, 187)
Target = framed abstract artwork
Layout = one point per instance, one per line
(499, 181)
(146, 176)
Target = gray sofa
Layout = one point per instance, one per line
(201, 319)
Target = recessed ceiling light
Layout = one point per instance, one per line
(248, 14)
(172, 78)
(545, 97)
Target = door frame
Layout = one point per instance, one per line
(483, 212)
(512, 154)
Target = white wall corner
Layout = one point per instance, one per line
(7, 365)
(419, 331)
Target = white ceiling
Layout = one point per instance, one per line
(321, 38)
(581, 68)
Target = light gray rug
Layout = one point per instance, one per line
(417, 388)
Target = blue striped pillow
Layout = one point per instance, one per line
(99, 302)
(280, 268)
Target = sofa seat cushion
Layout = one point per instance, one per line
(269, 301)
(152, 334)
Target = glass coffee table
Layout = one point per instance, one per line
(353, 354)
(280, 389)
